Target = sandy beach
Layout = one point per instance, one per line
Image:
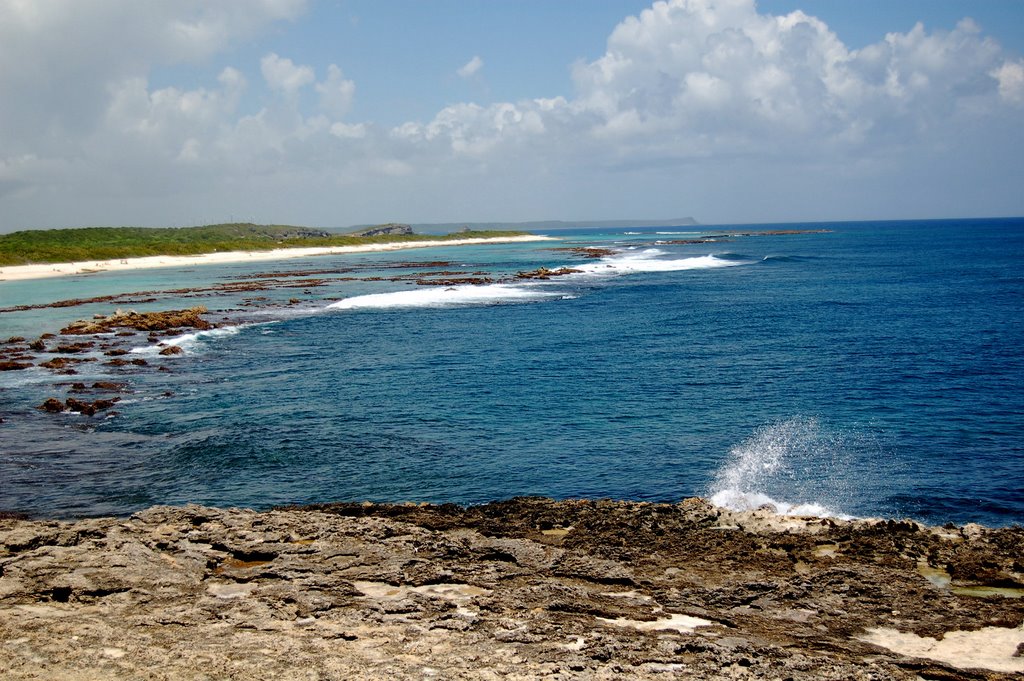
(40, 271)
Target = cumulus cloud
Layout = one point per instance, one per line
(345, 130)
(336, 93)
(688, 79)
(168, 121)
(1010, 75)
(470, 68)
(712, 92)
(58, 58)
(284, 75)
(720, 76)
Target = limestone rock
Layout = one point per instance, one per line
(520, 589)
(141, 321)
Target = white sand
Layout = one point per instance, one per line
(20, 272)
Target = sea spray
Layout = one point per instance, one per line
(795, 466)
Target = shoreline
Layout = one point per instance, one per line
(526, 588)
(48, 270)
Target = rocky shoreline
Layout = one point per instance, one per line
(522, 589)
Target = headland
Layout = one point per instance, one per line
(43, 270)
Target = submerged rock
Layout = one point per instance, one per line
(9, 365)
(52, 405)
(58, 363)
(110, 385)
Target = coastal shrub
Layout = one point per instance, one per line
(110, 243)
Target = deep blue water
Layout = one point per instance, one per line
(877, 369)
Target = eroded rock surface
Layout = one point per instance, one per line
(141, 321)
(522, 589)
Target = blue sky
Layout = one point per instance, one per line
(352, 111)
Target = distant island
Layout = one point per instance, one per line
(116, 243)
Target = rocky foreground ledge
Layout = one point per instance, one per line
(522, 589)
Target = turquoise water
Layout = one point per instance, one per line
(875, 370)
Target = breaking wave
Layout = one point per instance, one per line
(451, 296)
(190, 342)
(648, 260)
(627, 262)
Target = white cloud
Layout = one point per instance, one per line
(284, 75)
(343, 130)
(692, 100)
(164, 117)
(59, 57)
(1010, 75)
(336, 93)
(470, 68)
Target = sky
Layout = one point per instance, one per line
(340, 112)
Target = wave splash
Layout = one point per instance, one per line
(647, 260)
(450, 296)
(790, 466)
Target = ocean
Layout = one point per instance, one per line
(870, 369)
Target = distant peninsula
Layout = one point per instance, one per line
(546, 225)
(117, 243)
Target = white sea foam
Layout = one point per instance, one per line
(23, 377)
(437, 296)
(190, 342)
(648, 260)
(628, 262)
(788, 466)
(750, 501)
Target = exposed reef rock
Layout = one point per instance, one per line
(53, 405)
(545, 273)
(522, 589)
(58, 363)
(141, 321)
(593, 252)
(455, 281)
(73, 348)
(7, 365)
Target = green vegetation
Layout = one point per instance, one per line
(111, 243)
